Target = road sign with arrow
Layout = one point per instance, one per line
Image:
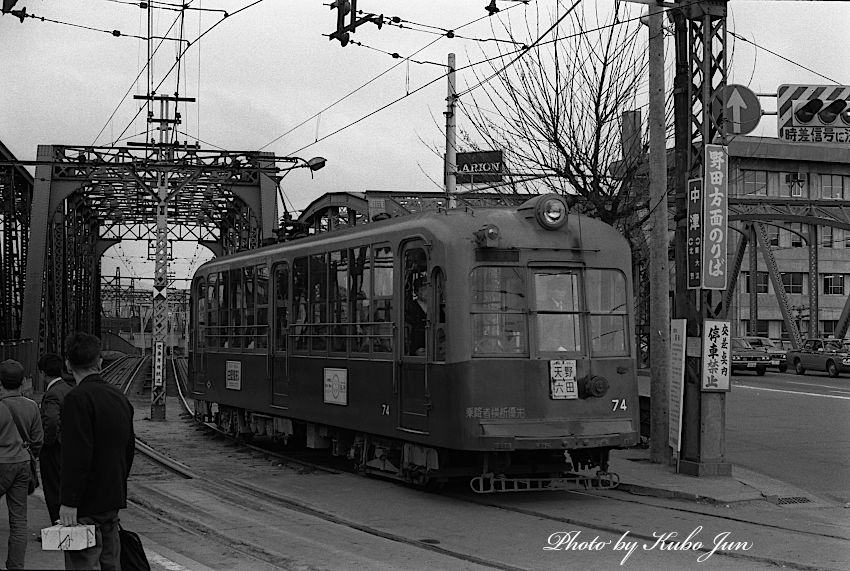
(736, 109)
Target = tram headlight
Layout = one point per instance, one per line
(549, 210)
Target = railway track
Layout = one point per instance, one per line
(222, 484)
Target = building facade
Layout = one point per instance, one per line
(801, 194)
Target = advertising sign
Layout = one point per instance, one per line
(694, 255)
(336, 386)
(677, 382)
(716, 358)
(715, 218)
(479, 167)
(233, 375)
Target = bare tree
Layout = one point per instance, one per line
(556, 111)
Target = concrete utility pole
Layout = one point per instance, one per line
(659, 267)
(450, 161)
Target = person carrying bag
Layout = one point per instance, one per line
(20, 422)
(34, 483)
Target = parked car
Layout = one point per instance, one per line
(830, 355)
(746, 357)
(773, 349)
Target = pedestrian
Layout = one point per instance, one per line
(20, 427)
(97, 452)
(50, 365)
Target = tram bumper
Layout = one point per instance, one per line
(558, 434)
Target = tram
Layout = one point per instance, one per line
(493, 344)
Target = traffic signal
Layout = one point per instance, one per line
(343, 8)
(822, 113)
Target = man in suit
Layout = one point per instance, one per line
(98, 445)
(50, 365)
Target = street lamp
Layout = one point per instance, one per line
(314, 164)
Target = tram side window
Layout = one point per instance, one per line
(262, 307)
(299, 304)
(212, 311)
(236, 308)
(382, 275)
(223, 298)
(281, 313)
(249, 314)
(498, 311)
(338, 300)
(439, 289)
(361, 294)
(558, 318)
(606, 302)
(200, 331)
(318, 328)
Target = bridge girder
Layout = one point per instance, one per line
(86, 199)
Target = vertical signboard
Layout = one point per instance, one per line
(715, 218)
(677, 381)
(159, 364)
(716, 362)
(694, 233)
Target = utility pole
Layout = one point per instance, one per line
(450, 160)
(700, 71)
(659, 268)
(164, 154)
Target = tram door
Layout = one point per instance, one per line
(416, 307)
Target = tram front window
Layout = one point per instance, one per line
(498, 311)
(557, 311)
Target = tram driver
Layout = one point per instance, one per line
(416, 316)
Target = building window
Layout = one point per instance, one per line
(826, 237)
(762, 329)
(793, 281)
(755, 183)
(761, 282)
(831, 186)
(796, 235)
(828, 327)
(773, 235)
(833, 284)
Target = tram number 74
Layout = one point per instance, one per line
(618, 404)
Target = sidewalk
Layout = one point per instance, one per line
(160, 558)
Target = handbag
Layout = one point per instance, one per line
(133, 556)
(34, 483)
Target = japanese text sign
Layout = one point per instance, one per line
(562, 379)
(716, 361)
(694, 221)
(715, 217)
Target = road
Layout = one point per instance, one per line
(795, 428)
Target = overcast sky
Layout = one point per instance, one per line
(262, 72)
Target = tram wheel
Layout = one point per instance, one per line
(798, 366)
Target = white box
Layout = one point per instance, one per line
(67, 538)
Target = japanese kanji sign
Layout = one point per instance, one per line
(694, 255)
(562, 379)
(715, 217)
(716, 361)
(813, 113)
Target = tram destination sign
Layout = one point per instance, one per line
(479, 167)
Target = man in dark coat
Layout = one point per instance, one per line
(52, 402)
(98, 444)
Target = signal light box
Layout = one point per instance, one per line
(814, 113)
